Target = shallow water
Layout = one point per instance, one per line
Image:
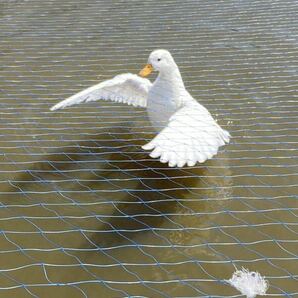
(85, 212)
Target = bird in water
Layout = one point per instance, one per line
(186, 132)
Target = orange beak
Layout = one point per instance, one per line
(148, 68)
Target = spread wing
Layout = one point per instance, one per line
(191, 136)
(126, 88)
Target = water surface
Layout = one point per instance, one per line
(85, 212)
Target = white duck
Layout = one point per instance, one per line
(187, 133)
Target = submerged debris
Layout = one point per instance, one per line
(249, 283)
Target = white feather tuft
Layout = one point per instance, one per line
(249, 283)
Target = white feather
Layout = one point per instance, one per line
(249, 283)
(125, 88)
(191, 136)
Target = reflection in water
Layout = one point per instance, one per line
(138, 208)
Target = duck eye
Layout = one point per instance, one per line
(158, 59)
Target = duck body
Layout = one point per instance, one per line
(163, 101)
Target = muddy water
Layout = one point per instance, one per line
(84, 212)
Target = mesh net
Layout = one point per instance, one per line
(85, 212)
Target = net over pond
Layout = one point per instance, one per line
(85, 212)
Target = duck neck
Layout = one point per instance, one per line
(173, 77)
(173, 83)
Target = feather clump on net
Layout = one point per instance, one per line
(249, 283)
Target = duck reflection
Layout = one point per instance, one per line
(124, 208)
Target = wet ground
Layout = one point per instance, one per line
(84, 211)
